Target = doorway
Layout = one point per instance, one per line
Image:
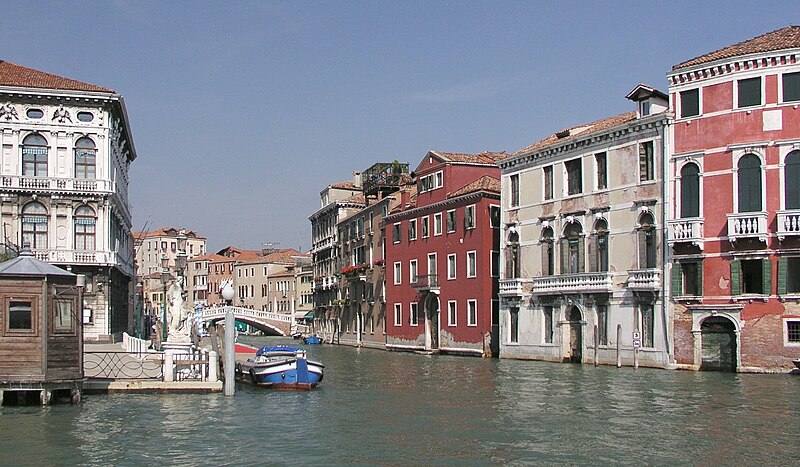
(718, 337)
(575, 335)
(432, 321)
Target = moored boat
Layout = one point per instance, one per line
(312, 340)
(797, 363)
(281, 367)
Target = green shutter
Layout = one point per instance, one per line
(700, 277)
(766, 276)
(783, 269)
(641, 235)
(582, 254)
(677, 280)
(736, 277)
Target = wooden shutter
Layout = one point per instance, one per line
(677, 280)
(582, 254)
(700, 278)
(783, 269)
(690, 191)
(792, 178)
(766, 276)
(736, 277)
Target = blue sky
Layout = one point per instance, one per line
(243, 111)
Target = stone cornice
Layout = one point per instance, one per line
(733, 65)
(436, 207)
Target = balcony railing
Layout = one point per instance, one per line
(431, 281)
(788, 223)
(77, 256)
(747, 225)
(592, 282)
(82, 185)
(689, 230)
(644, 280)
(513, 287)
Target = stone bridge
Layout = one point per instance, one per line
(273, 324)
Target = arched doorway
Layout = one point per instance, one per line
(575, 335)
(432, 321)
(718, 337)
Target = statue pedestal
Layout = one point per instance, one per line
(177, 347)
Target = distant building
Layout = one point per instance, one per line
(582, 243)
(442, 257)
(66, 150)
(735, 228)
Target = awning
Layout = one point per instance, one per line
(303, 315)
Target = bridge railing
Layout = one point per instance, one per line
(220, 311)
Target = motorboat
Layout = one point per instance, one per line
(281, 367)
(312, 339)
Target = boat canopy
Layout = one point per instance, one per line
(277, 348)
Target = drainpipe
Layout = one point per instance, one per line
(665, 250)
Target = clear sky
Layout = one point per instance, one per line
(242, 112)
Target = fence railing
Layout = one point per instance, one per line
(172, 365)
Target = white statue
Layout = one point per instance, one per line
(179, 328)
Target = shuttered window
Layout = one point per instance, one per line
(749, 183)
(792, 179)
(548, 182)
(646, 162)
(789, 275)
(574, 177)
(749, 92)
(690, 191)
(514, 201)
(690, 103)
(751, 276)
(791, 87)
(687, 279)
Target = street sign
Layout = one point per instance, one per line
(637, 339)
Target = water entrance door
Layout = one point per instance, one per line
(432, 315)
(575, 336)
(719, 344)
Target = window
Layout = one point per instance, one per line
(438, 180)
(749, 183)
(471, 266)
(602, 324)
(646, 162)
(648, 324)
(20, 315)
(412, 271)
(690, 190)
(412, 314)
(451, 266)
(791, 87)
(548, 182)
(792, 180)
(62, 316)
(574, 177)
(397, 273)
(602, 170)
(572, 246)
(547, 317)
(749, 92)
(85, 221)
(452, 313)
(512, 256)
(451, 221)
(514, 325)
(469, 217)
(85, 116)
(472, 313)
(495, 264)
(85, 158)
(548, 256)
(494, 217)
(425, 227)
(34, 226)
(437, 223)
(412, 229)
(514, 201)
(398, 314)
(34, 156)
(647, 241)
(599, 255)
(751, 276)
(35, 114)
(644, 108)
(788, 275)
(690, 103)
(792, 332)
(432, 269)
(396, 235)
(687, 278)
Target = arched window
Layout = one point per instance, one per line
(749, 183)
(34, 156)
(34, 226)
(598, 255)
(572, 258)
(85, 158)
(690, 191)
(647, 241)
(548, 260)
(792, 180)
(512, 256)
(85, 221)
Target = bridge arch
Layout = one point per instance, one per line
(273, 324)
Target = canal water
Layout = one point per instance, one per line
(377, 407)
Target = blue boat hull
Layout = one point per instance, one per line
(313, 340)
(295, 373)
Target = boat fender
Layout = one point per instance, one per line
(283, 375)
(238, 369)
(253, 376)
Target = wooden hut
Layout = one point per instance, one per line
(41, 344)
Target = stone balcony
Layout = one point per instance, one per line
(644, 280)
(513, 287)
(689, 230)
(788, 223)
(426, 283)
(85, 257)
(590, 282)
(747, 225)
(45, 184)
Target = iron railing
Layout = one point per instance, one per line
(122, 365)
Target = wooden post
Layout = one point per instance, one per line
(619, 343)
(596, 343)
(230, 355)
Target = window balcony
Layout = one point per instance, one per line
(644, 280)
(592, 282)
(59, 184)
(425, 283)
(513, 287)
(788, 223)
(747, 225)
(689, 230)
(84, 257)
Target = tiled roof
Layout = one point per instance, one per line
(12, 74)
(485, 183)
(283, 256)
(571, 133)
(164, 232)
(348, 185)
(209, 257)
(485, 157)
(359, 199)
(784, 38)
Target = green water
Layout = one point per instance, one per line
(377, 407)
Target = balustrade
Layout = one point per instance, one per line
(644, 279)
(788, 223)
(688, 230)
(747, 224)
(512, 287)
(570, 283)
(81, 185)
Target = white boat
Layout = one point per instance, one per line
(281, 367)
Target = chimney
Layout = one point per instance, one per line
(357, 179)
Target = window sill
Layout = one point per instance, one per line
(792, 297)
(750, 298)
(688, 298)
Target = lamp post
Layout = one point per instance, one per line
(164, 279)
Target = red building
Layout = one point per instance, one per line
(442, 254)
(735, 232)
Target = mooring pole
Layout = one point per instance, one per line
(230, 353)
(619, 343)
(596, 343)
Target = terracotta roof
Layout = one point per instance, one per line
(359, 198)
(485, 157)
(571, 133)
(209, 257)
(283, 256)
(12, 74)
(349, 185)
(784, 38)
(164, 232)
(485, 183)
